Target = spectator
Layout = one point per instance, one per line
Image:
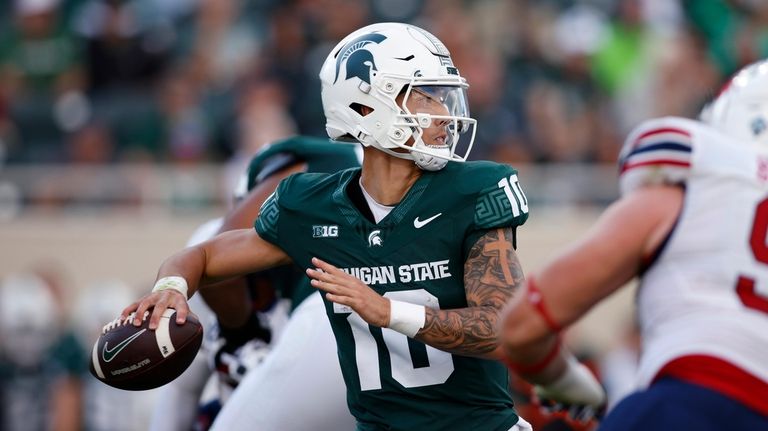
(40, 62)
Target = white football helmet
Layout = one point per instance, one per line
(741, 108)
(384, 66)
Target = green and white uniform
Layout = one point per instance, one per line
(415, 254)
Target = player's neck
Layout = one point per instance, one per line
(386, 178)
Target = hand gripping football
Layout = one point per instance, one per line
(137, 358)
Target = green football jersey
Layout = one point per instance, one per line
(320, 155)
(415, 254)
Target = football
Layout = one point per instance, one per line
(136, 358)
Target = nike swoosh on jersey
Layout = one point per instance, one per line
(418, 224)
(109, 354)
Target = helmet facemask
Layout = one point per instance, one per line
(436, 117)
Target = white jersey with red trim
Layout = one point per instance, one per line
(706, 294)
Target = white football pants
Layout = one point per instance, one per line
(298, 387)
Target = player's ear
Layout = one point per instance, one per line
(361, 109)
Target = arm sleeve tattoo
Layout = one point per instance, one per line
(492, 274)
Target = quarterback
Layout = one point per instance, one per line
(692, 223)
(433, 234)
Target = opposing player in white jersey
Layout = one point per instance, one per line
(692, 223)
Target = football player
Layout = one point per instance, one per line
(432, 237)
(692, 223)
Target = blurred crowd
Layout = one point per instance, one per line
(191, 81)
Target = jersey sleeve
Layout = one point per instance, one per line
(501, 201)
(266, 224)
(657, 152)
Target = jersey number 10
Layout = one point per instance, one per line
(435, 367)
(511, 187)
(758, 241)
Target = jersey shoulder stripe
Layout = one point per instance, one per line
(658, 146)
(658, 151)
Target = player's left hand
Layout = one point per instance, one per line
(342, 288)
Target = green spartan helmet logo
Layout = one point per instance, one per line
(359, 60)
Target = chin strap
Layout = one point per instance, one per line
(430, 162)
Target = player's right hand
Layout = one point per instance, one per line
(158, 301)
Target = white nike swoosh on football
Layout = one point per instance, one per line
(418, 224)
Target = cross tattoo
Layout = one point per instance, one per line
(503, 247)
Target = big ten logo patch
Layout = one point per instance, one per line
(325, 231)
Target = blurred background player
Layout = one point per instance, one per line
(693, 224)
(301, 370)
(41, 364)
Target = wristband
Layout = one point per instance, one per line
(535, 298)
(174, 283)
(406, 318)
(536, 367)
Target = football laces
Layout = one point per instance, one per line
(121, 322)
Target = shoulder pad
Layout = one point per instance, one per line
(292, 193)
(321, 155)
(275, 163)
(658, 151)
(472, 177)
(302, 187)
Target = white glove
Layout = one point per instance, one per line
(577, 386)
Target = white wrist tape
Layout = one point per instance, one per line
(406, 318)
(577, 385)
(173, 282)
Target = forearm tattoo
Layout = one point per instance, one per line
(492, 274)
